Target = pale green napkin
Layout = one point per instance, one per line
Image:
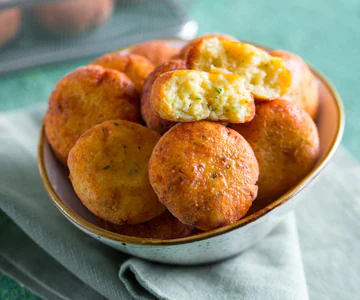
(40, 248)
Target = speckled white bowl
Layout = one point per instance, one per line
(204, 247)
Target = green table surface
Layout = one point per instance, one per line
(324, 32)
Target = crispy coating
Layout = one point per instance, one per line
(286, 144)
(136, 67)
(191, 95)
(265, 75)
(109, 172)
(10, 23)
(304, 87)
(156, 51)
(204, 173)
(86, 97)
(185, 50)
(73, 17)
(165, 226)
(152, 119)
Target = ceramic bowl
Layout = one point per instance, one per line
(204, 247)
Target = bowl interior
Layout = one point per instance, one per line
(329, 122)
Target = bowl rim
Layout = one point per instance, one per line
(100, 232)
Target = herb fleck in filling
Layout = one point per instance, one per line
(219, 90)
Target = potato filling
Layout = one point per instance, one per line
(266, 76)
(194, 95)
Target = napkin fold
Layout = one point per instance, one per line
(45, 252)
(270, 270)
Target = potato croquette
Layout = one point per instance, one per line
(185, 50)
(153, 120)
(190, 95)
(73, 17)
(83, 98)
(136, 67)
(304, 88)
(286, 144)
(10, 23)
(204, 173)
(109, 172)
(165, 226)
(156, 51)
(266, 76)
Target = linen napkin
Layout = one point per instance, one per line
(40, 248)
(273, 268)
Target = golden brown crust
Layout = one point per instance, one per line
(304, 87)
(204, 173)
(165, 226)
(10, 23)
(136, 67)
(286, 144)
(73, 17)
(191, 95)
(156, 51)
(185, 50)
(109, 172)
(83, 98)
(266, 76)
(153, 120)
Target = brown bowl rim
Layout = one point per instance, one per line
(87, 226)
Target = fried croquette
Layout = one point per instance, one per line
(185, 50)
(304, 88)
(73, 17)
(156, 51)
(109, 172)
(204, 173)
(10, 23)
(165, 226)
(286, 144)
(191, 95)
(86, 97)
(136, 67)
(152, 119)
(265, 75)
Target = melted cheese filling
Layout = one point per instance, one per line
(264, 75)
(194, 95)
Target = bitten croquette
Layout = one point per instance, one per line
(190, 95)
(266, 76)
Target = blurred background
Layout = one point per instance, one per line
(40, 43)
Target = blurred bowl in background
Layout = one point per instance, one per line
(73, 17)
(10, 24)
(59, 30)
